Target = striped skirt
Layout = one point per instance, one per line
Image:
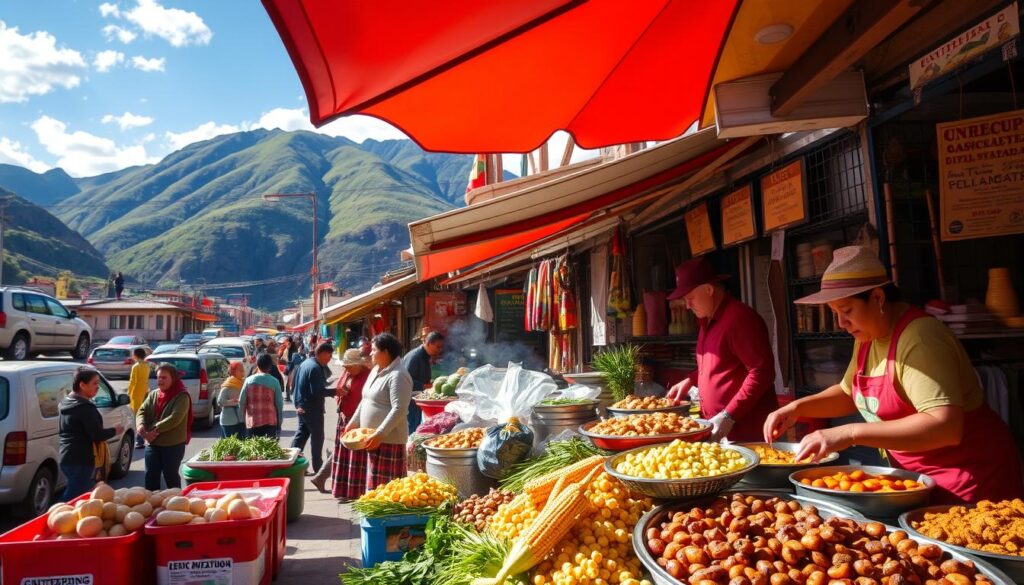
(353, 473)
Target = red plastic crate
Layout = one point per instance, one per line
(125, 559)
(238, 551)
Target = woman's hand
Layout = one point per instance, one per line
(779, 422)
(819, 444)
(352, 424)
(373, 441)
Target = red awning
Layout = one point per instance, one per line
(303, 326)
(502, 76)
(204, 317)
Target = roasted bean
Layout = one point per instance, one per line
(743, 546)
(739, 581)
(817, 578)
(780, 579)
(842, 571)
(793, 552)
(710, 574)
(671, 549)
(864, 568)
(897, 536)
(656, 546)
(875, 529)
(674, 568)
(719, 550)
(929, 551)
(812, 541)
(952, 566)
(956, 579)
(696, 555)
(905, 546)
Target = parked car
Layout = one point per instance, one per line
(168, 348)
(192, 340)
(212, 333)
(32, 322)
(233, 348)
(202, 373)
(114, 358)
(30, 393)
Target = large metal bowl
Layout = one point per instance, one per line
(825, 510)
(775, 475)
(1011, 565)
(680, 408)
(681, 488)
(620, 443)
(887, 505)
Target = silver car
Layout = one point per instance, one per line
(114, 358)
(32, 323)
(202, 375)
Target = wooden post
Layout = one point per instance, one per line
(499, 168)
(891, 225)
(936, 243)
(567, 153)
(543, 157)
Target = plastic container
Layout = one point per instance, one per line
(430, 407)
(125, 559)
(296, 502)
(390, 537)
(231, 470)
(234, 551)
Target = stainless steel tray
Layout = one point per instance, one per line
(681, 488)
(681, 408)
(774, 475)
(886, 505)
(826, 509)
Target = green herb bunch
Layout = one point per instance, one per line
(618, 365)
(557, 455)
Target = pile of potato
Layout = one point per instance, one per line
(110, 512)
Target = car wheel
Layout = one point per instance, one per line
(123, 463)
(81, 350)
(19, 349)
(211, 418)
(40, 494)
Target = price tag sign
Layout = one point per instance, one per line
(784, 197)
(738, 217)
(698, 230)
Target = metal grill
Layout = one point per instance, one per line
(835, 180)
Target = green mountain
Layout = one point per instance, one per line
(37, 243)
(43, 189)
(197, 216)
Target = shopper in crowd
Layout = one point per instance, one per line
(913, 383)
(645, 384)
(119, 285)
(138, 386)
(386, 397)
(231, 422)
(310, 392)
(347, 395)
(295, 359)
(417, 363)
(165, 421)
(260, 401)
(735, 373)
(84, 458)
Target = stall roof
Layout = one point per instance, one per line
(355, 306)
(454, 240)
(302, 326)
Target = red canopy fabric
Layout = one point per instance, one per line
(502, 76)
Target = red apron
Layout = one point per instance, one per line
(984, 466)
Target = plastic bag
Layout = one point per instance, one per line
(503, 446)
(438, 424)
(580, 392)
(497, 394)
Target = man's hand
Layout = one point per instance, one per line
(681, 391)
(373, 441)
(721, 424)
(300, 410)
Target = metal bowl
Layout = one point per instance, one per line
(681, 488)
(1011, 565)
(776, 475)
(680, 408)
(825, 509)
(887, 505)
(620, 443)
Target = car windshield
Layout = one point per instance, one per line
(166, 348)
(122, 339)
(228, 351)
(187, 368)
(191, 337)
(108, 354)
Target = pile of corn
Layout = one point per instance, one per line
(514, 517)
(417, 490)
(598, 549)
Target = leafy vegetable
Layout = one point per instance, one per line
(480, 555)
(619, 368)
(378, 508)
(419, 566)
(564, 401)
(559, 454)
(250, 449)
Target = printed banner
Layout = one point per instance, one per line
(698, 230)
(784, 197)
(738, 217)
(981, 169)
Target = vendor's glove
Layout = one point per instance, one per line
(721, 424)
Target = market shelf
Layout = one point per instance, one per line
(824, 336)
(805, 281)
(663, 339)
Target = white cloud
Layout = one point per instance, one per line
(283, 118)
(108, 9)
(82, 154)
(202, 132)
(150, 137)
(112, 31)
(12, 152)
(355, 128)
(127, 120)
(106, 60)
(144, 64)
(32, 64)
(176, 26)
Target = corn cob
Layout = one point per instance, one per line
(540, 489)
(554, 521)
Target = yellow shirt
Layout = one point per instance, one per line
(138, 384)
(931, 369)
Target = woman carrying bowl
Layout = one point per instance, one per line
(913, 383)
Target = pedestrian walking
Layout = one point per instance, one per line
(138, 386)
(310, 392)
(260, 401)
(295, 359)
(383, 407)
(84, 458)
(165, 421)
(231, 422)
(347, 395)
(119, 285)
(417, 363)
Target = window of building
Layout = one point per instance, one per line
(113, 322)
(159, 321)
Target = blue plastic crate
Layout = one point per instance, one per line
(390, 537)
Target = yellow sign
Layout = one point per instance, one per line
(981, 169)
(698, 230)
(784, 197)
(738, 217)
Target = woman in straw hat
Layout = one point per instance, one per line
(913, 383)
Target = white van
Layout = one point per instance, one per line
(212, 333)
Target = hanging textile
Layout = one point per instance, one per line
(599, 296)
(483, 305)
(543, 297)
(531, 294)
(565, 287)
(618, 280)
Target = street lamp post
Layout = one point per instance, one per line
(312, 196)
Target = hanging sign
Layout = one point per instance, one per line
(738, 216)
(988, 34)
(443, 309)
(784, 197)
(981, 173)
(509, 318)
(698, 230)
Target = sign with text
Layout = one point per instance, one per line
(988, 34)
(510, 318)
(738, 217)
(444, 309)
(698, 230)
(981, 169)
(784, 197)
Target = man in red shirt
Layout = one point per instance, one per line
(735, 373)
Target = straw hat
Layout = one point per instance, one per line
(353, 357)
(854, 269)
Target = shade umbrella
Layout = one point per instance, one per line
(503, 75)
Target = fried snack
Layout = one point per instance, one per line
(771, 456)
(994, 527)
(859, 481)
(645, 403)
(465, 439)
(647, 424)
